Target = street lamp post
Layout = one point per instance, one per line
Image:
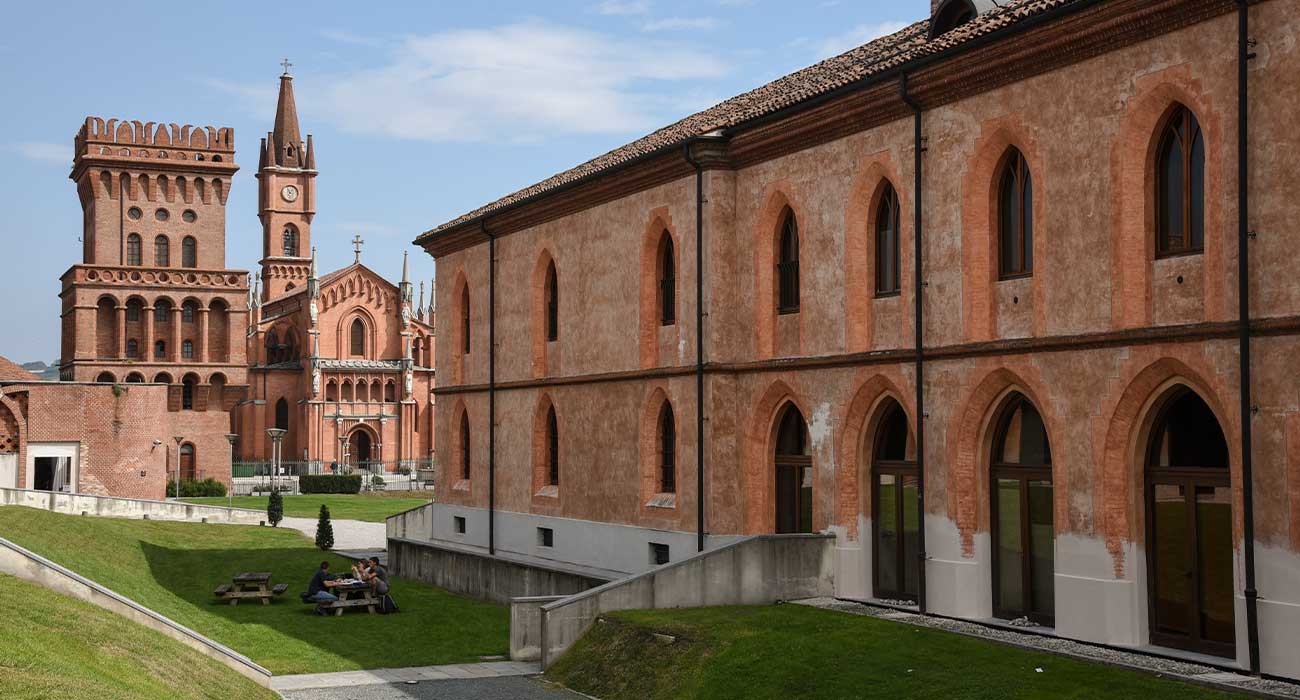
(277, 435)
(178, 440)
(232, 438)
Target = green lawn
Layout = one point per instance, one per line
(173, 567)
(59, 647)
(793, 651)
(370, 508)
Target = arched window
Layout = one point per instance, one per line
(1015, 217)
(189, 252)
(357, 337)
(793, 473)
(162, 378)
(135, 378)
(787, 267)
(106, 378)
(290, 240)
(1189, 519)
(464, 445)
(390, 391)
(162, 252)
(887, 245)
(187, 393)
(187, 312)
(552, 304)
(951, 14)
(552, 448)
(332, 391)
(282, 414)
(667, 281)
(160, 350)
(133, 309)
(162, 312)
(134, 254)
(895, 524)
(272, 347)
(1180, 186)
(1022, 526)
(133, 349)
(464, 319)
(667, 450)
(187, 349)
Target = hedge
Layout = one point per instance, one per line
(326, 483)
(197, 489)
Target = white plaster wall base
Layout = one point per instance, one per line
(1091, 604)
(955, 584)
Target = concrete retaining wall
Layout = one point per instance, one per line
(478, 575)
(526, 626)
(109, 507)
(29, 566)
(758, 570)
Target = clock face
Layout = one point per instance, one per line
(290, 193)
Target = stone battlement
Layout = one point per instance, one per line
(136, 139)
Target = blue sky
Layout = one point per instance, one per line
(420, 110)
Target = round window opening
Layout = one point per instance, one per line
(189, 216)
(134, 212)
(161, 215)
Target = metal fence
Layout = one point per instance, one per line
(252, 478)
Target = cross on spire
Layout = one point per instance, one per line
(287, 65)
(357, 242)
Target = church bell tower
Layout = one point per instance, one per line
(286, 198)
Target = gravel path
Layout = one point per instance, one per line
(1196, 673)
(504, 688)
(348, 534)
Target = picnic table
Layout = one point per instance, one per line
(352, 593)
(250, 584)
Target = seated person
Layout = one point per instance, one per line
(378, 577)
(320, 582)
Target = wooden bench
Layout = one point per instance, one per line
(222, 591)
(248, 585)
(353, 596)
(279, 589)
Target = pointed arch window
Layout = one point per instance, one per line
(358, 337)
(667, 450)
(162, 255)
(887, 245)
(464, 446)
(667, 281)
(895, 525)
(1015, 217)
(189, 252)
(552, 304)
(552, 448)
(134, 253)
(1180, 186)
(787, 267)
(464, 319)
(290, 241)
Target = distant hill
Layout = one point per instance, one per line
(48, 372)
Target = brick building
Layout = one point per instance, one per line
(1021, 222)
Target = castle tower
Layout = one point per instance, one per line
(286, 198)
(152, 300)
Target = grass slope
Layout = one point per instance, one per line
(342, 506)
(792, 651)
(173, 567)
(59, 647)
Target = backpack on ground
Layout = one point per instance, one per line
(387, 605)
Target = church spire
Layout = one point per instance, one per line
(419, 309)
(288, 141)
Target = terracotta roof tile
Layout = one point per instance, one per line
(11, 372)
(874, 58)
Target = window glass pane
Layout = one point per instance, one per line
(1214, 552)
(894, 442)
(1197, 192)
(1171, 195)
(1010, 593)
(1041, 548)
(1027, 220)
(887, 532)
(911, 531)
(1010, 255)
(805, 499)
(1173, 585)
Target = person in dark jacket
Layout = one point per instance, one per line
(318, 589)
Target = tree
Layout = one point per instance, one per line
(275, 509)
(324, 530)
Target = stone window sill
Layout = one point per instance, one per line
(667, 501)
(462, 485)
(548, 492)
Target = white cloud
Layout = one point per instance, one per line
(343, 36)
(859, 35)
(517, 82)
(680, 23)
(624, 7)
(59, 153)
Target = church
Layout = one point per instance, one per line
(174, 363)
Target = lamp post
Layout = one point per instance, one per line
(277, 435)
(232, 438)
(178, 440)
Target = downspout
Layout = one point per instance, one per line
(918, 313)
(492, 388)
(1244, 56)
(699, 344)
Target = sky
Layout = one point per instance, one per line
(420, 111)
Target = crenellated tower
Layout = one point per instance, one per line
(286, 198)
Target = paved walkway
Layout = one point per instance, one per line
(499, 688)
(348, 534)
(385, 676)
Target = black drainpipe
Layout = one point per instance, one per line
(1244, 56)
(918, 312)
(492, 388)
(699, 344)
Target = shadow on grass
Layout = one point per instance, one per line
(434, 627)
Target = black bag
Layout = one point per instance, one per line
(387, 605)
(305, 598)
